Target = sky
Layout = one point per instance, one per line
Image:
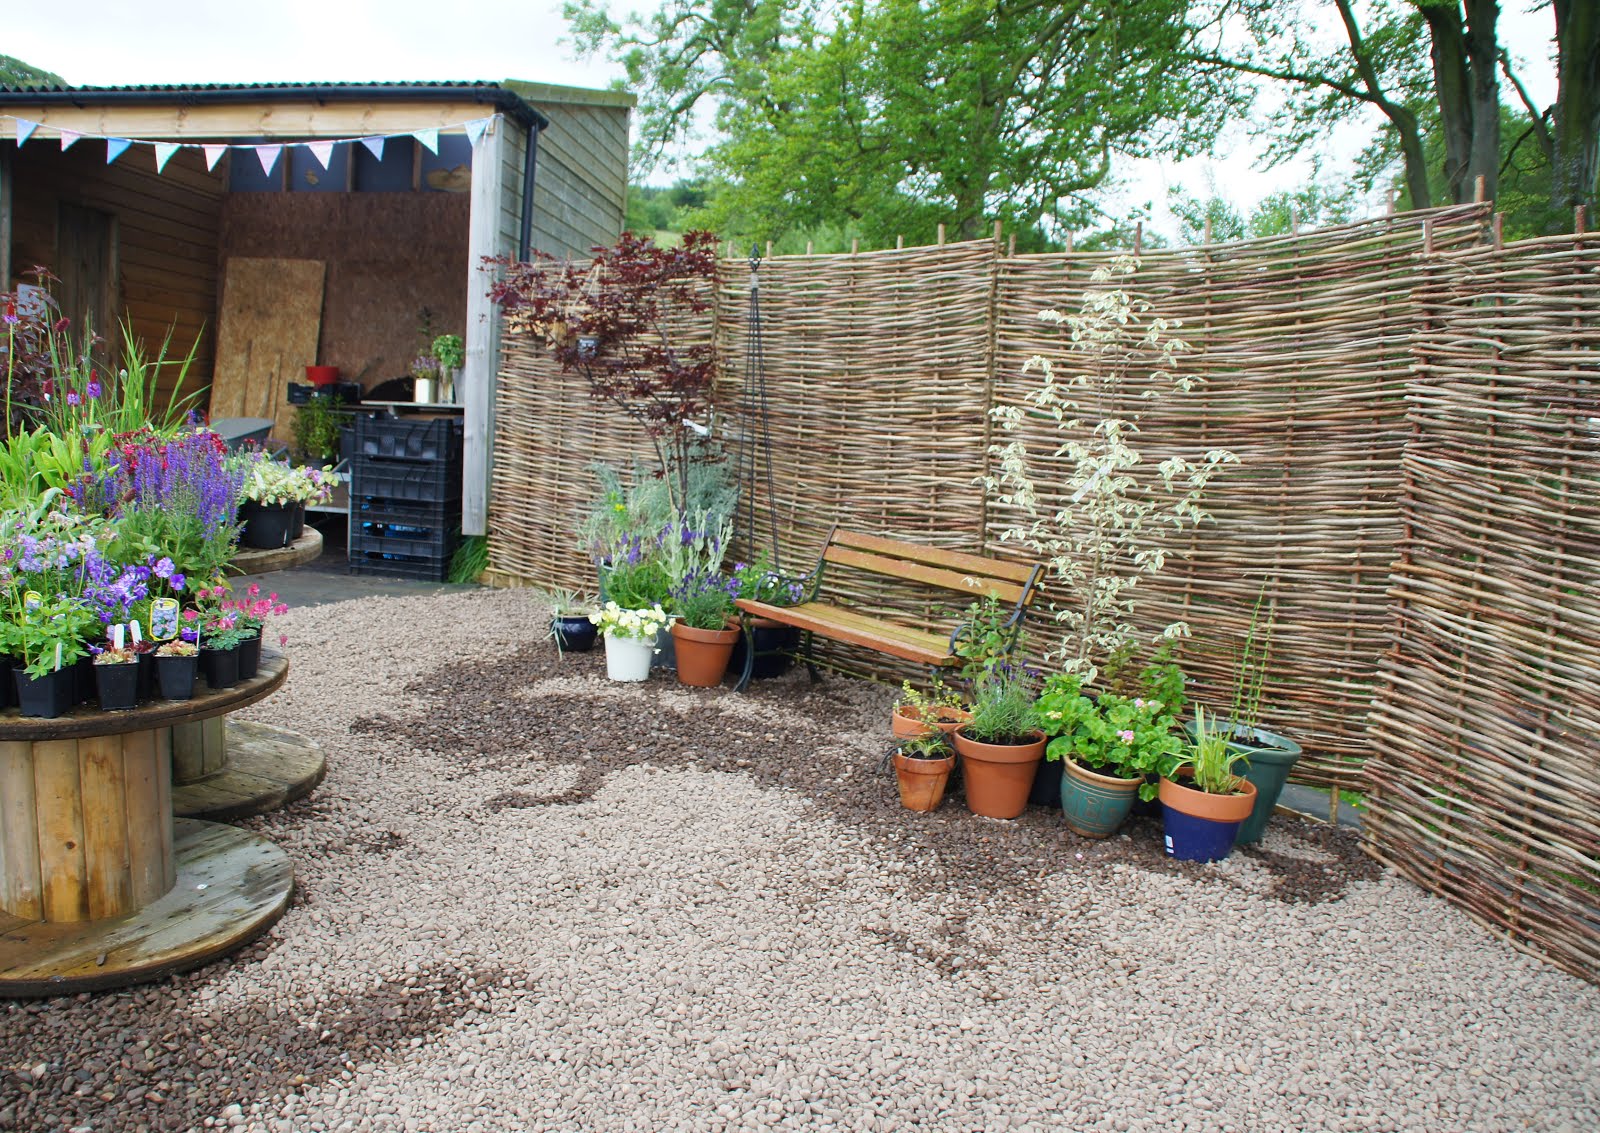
(98, 42)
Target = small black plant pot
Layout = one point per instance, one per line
(297, 525)
(48, 696)
(118, 686)
(220, 666)
(266, 527)
(1046, 789)
(776, 646)
(176, 676)
(83, 680)
(575, 635)
(8, 689)
(249, 657)
(147, 675)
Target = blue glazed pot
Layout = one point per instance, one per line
(1200, 827)
(1093, 804)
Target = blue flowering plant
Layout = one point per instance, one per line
(50, 566)
(181, 498)
(635, 578)
(703, 599)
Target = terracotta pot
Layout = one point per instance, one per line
(998, 776)
(702, 654)
(922, 781)
(908, 727)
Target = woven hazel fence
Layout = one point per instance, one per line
(1485, 737)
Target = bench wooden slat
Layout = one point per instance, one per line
(975, 565)
(858, 629)
(972, 584)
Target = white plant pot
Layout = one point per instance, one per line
(628, 658)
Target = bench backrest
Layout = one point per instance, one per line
(1010, 583)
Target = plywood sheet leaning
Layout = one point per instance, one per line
(270, 323)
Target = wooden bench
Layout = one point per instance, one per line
(974, 576)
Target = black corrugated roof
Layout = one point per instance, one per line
(489, 93)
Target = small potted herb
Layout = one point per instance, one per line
(703, 604)
(116, 678)
(176, 664)
(1203, 802)
(1002, 745)
(935, 712)
(922, 766)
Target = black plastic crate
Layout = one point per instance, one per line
(424, 513)
(403, 557)
(409, 481)
(407, 538)
(409, 438)
(348, 393)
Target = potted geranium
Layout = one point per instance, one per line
(176, 663)
(922, 767)
(250, 614)
(916, 714)
(630, 639)
(702, 602)
(1001, 746)
(1203, 802)
(1110, 747)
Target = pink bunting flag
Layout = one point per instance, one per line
(25, 130)
(429, 138)
(374, 147)
(322, 151)
(214, 155)
(268, 156)
(115, 148)
(68, 137)
(476, 129)
(164, 152)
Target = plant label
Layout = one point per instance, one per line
(133, 628)
(164, 619)
(116, 637)
(32, 601)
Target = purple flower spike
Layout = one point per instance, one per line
(93, 390)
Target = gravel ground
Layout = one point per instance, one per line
(533, 899)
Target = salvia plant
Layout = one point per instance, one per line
(1108, 523)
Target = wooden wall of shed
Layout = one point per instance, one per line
(580, 193)
(388, 256)
(165, 236)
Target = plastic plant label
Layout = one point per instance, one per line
(133, 628)
(163, 619)
(32, 601)
(117, 637)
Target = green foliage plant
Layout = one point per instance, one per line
(449, 351)
(1128, 738)
(1209, 757)
(1254, 657)
(987, 636)
(1102, 535)
(933, 745)
(316, 429)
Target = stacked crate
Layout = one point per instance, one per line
(405, 495)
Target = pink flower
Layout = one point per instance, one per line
(1126, 735)
(283, 639)
(253, 589)
(1138, 702)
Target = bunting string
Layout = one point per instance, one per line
(267, 153)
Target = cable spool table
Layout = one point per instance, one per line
(99, 885)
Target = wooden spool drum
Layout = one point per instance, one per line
(224, 769)
(99, 887)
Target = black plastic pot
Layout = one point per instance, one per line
(1046, 789)
(220, 666)
(117, 686)
(266, 527)
(249, 657)
(775, 649)
(8, 689)
(83, 680)
(575, 634)
(297, 524)
(176, 676)
(48, 696)
(147, 675)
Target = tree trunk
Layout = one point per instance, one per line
(1575, 160)
(1483, 61)
(1466, 83)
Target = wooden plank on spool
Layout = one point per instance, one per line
(21, 892)
(270, 323)
(149, 842)
(105, 826)
(59, 807)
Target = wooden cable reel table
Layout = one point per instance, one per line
(99, 885)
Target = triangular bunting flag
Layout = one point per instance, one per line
(164, 152)
(214, 155)
(476, 129)
(429, 138)
(268, 156)
(68, 137)
(322, 151)
(374, 146)
(115, 148)
(25, 130)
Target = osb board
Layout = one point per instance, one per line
(388, 254)
(271, 317)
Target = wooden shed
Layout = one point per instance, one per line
(338, 212)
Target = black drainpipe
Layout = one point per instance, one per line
(525, 241)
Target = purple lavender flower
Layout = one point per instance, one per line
(93, 390)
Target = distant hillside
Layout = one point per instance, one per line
(16, 73)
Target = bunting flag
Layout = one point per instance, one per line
(476, 129)
(67, 138)
(322, 151)
(213, 155)
(268, 156)
(429, 138)
(25, 130)
(115, 148)
(374, 147)
(164, 152)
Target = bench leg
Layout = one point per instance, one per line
(749, 654)
(809, 657)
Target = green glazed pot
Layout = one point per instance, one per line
(1093, 804)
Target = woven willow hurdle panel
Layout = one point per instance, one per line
(1486, 732)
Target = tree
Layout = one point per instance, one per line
(15, 73)
(900, 115)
